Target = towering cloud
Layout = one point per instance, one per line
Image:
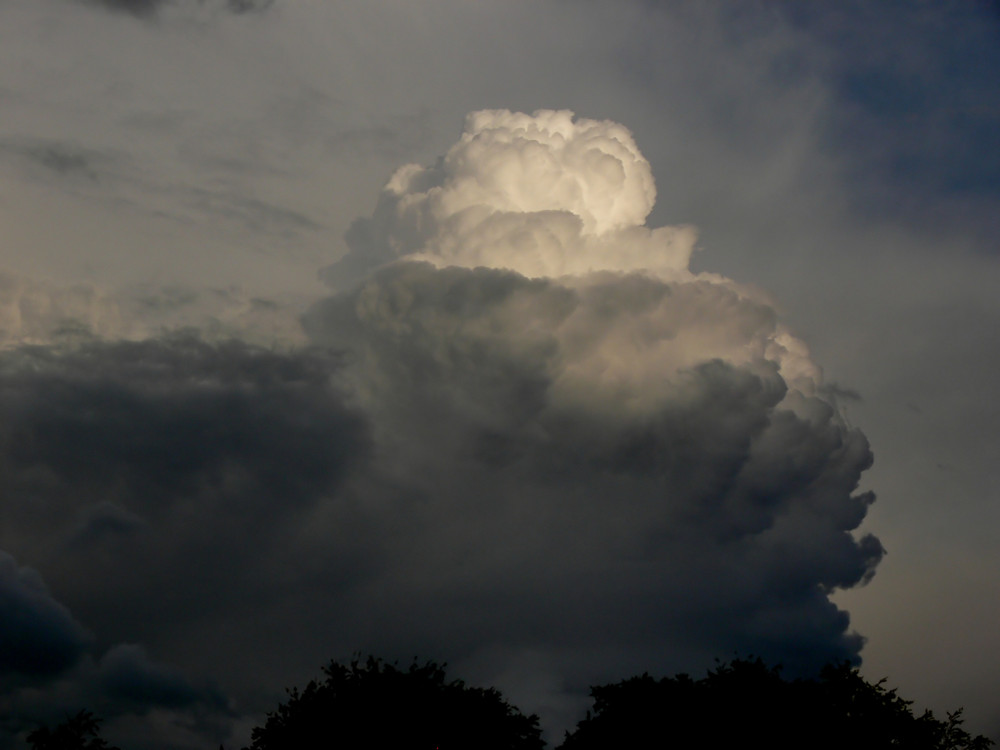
(601, 454)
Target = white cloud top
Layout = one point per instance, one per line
(514, 162)
(542, 194)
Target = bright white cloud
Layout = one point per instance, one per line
(542, 194)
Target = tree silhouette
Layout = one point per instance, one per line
(375, 704)
(78, 732)
(746, 702)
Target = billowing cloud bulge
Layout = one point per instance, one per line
(526, 439)
(540, 194)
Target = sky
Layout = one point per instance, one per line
(558, 340)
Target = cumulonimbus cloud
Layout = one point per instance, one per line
(608, 450)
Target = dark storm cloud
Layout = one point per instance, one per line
(190, 461)
(614, 471)
(167, 416)
(124, 685)
(106, 519)
(38, 636)
(714, 512)
(168, 487)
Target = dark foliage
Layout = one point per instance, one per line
(375, 704)
(745, 702)
(78, 732)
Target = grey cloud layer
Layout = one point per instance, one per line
(161, 425)
(49, 665)
(34, 311)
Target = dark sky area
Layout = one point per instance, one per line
(558, 341)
